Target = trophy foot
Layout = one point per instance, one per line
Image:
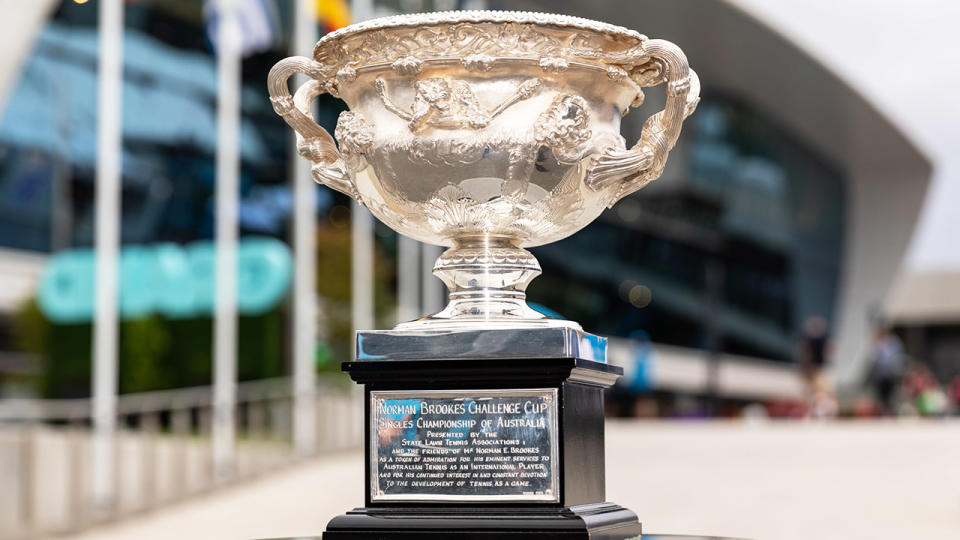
(487, 278)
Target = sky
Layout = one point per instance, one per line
(904, 57)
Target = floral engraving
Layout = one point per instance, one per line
(554, 64)
(478, 62)
(441, 151)
(410, 41)
(615, 73)
(451, 209)
(408, 65)
(347, 74)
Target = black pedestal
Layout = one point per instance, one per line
(576, 508)
(600, 521)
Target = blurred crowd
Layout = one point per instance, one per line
(897, 384)
(905, 386)
(894, 384)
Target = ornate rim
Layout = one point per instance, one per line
(478, 16)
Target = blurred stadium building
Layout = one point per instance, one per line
(789, 195)
(924, 310)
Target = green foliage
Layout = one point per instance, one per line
(333, 263)
(66, 361)
(30, 328)
(156, 353)
(323, 356)
(143, 345)
(333, 286)
(260, 347)
(63, 348)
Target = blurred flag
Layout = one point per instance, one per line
(332, 14)
(259, 24)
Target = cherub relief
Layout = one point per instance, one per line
(450, 104)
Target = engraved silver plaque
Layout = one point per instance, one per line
(464, 445)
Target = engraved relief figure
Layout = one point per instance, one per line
(450, 104)
(355, 136)
(563, 127)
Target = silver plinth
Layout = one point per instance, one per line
(516, 343)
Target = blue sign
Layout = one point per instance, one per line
(168, 279)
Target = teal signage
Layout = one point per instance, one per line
(168, 279)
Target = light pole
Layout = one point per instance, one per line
(106, 242)
(227, 192)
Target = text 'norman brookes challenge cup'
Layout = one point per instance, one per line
(486, 132)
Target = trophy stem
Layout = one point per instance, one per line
(487, 278)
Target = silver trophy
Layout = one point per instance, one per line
(486, 132)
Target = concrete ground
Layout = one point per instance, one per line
(770, 481)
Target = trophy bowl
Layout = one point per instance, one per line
(486, 132)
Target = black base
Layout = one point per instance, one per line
(579, 512)
(604, 521)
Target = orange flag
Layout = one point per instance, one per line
(333, 14)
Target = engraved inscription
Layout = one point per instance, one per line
(464, 445)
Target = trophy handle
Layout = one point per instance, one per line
(313, 142)
(638, 166)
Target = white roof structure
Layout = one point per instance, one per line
(902, 58)
(922, 298)
(791, 61)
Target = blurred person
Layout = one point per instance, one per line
(921, 391)
(887, 365)
(954, 393)
(639, 378)
(754, 413)
(640, 381)
(865, 407)
(630, 396)
(812, 355)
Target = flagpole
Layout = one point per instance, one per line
(106, 245)
(361, 241)
(432, 287)
(408, 278)
(227, 192)
(305, 273)
(361, 268)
